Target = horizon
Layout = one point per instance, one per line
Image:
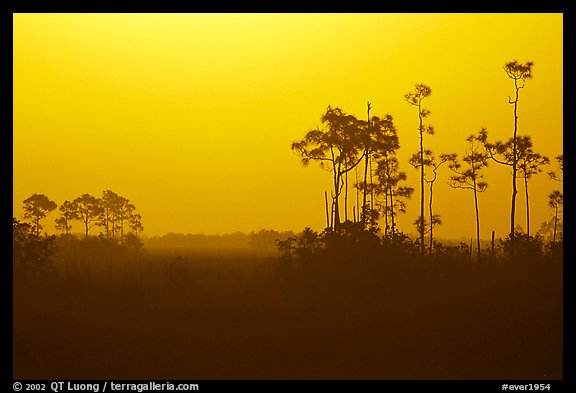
(144, 237)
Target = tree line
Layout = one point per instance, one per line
(113, 212)
(347, 147)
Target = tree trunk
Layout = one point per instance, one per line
(386, 227)
(336, 171)
(478, 223)
(357, 196)
(514, 174)
(513, 211)
(392, 212)
(332, 214)
(365, 189)
(421, 196)
(371, 190)
(555, 222)
(492, 249)
(327, 214)
(337, 176)
(431, 219)
(346, 197)
(421, 182)
(388, 198)
(367, 155)
(527, 206)
(106, 220)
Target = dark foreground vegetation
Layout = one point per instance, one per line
(346, 305)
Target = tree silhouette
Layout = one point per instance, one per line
(428, 225)
(31, 254)
(135, 222)
(518, 154)
(300, 247)
(529, 164)
(307, 243)
(123, 214)
(111, 204)
(556, 198)
(36, 207)
(383, 139)
(89, 210)
(555, 201)
(68, 213)
(552, 174)
(337, 148)
(430, 161)
(504, 153)
(519, 73)
(546, 230)
(367, 138)
(415, 98)
(389, 177)
(470, 177)
(435, 165)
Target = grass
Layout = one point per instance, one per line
(232, 314)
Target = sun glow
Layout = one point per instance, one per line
(191, 116)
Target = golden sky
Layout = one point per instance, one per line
(191, 116)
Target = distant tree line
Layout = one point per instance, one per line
(33, 253)
(344, 143)
(264, 240)
(112, 212)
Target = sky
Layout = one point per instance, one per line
(191, 116)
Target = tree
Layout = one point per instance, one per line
(435, 165)
(420, 221)
(519, 73)
(389, 177)
(552, 174)
(67, 214)
(385, 145)
(123, 214)
(378, 136)
(36, 207)
(470, 177)
(516, 153)
(135, 222)
(89, 210)
(529, 164)
(111, 204)
(556, 198)
(307, 243)
(555, 201)
(430, 161)
(367, 142)
(337, 148)
(505, 153)
(415, 98)
(31, 254)
(62, 225)
(547, 229)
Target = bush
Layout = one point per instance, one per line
(32, 256)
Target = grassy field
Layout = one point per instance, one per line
(237, 314)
